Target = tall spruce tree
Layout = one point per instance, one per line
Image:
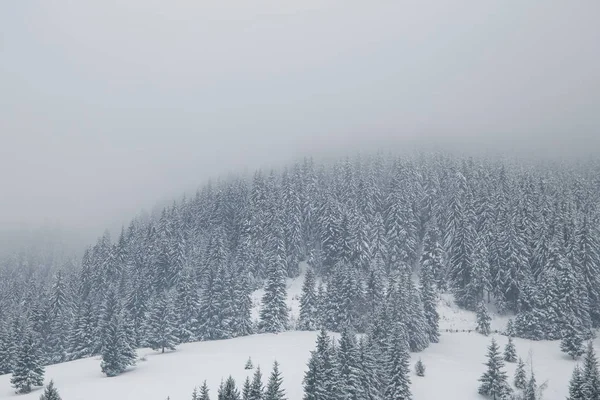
(577, 385)
(494, 381)
(117, 353)
(274, 312)
(274, 390)
(483, 320)
(591, 376)
(510, 352)
(398, 367)
(257, 389)
(308, 303)
(28, 371)
(520, 380)
(162, 325)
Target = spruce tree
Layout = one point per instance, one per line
(204, 392)
(249, 364)
(494, 382)
(195, 395)
(50, 392)
(510, 352)
(397, 367)
(230, 390)
(28, 371)
(117, 353)
(577, 385)
(349, 370)
(274, 312)
(429, 299)
(274, 390)
(531, 389)
(520, 380)
(6, 354)
(161, 335)
(420, 368)
(591, 376)
(256, 390)
(246, 389)
(510, 328)
(572, 341)
(308, 303)
(483, 320)
(370, 378)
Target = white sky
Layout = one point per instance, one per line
(107, 107)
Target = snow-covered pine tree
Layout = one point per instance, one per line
(256, 390)
(204, 395)
(50, 392)
(246, 389)
(349, 371)
(241, 321)
(308, 303)
(6, 355)
(370, 378)
(161, 335)
(420, 368)
(520, 380)
(274, 312)
(510, 328)
(195, 395)
(397, 366)
(494, 381)
(429, 299)
(577, 385)
(82, 336)
(230, 390)
(274, 390)
(117, 353)
(27, 371)
(483, 320)
(572, 340)
(591, 376)
(510, 351)
(187, 303)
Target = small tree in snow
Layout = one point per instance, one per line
(28, 370)
(274, 389)
(50, 393)
(420, 368)
(510, 328)
(510, 352)
(483, 320)
(249, 364)
(520, 375)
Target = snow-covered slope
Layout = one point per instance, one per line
(453, 367)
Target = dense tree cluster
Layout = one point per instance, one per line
(383, 235)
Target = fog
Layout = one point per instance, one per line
(108, 107)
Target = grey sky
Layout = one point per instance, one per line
(107, 107)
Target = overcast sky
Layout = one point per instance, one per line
(107, 107)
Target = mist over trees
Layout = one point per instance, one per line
(382, 234)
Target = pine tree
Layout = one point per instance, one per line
(6, 354)
(591, 376)
(246, 389)
(117, 353)
(256, 390)
(349, 370)
(577, 385)
(230, 390)
(27, 371)
(531, 389)
(204, 392)
(520, 380)
(370, 377)
(494, 381)
(397, 366)
(510, 352)
(186, 309)
(483, 320)
(274, 389)
(195, 395)
(429, 299)
(572, 341)
(274, 312)
(50, 392)
(510, 328)
(161, 334)
(420, 368)
(308, 303)
(249, 364)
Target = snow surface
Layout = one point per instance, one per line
(453, 366)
